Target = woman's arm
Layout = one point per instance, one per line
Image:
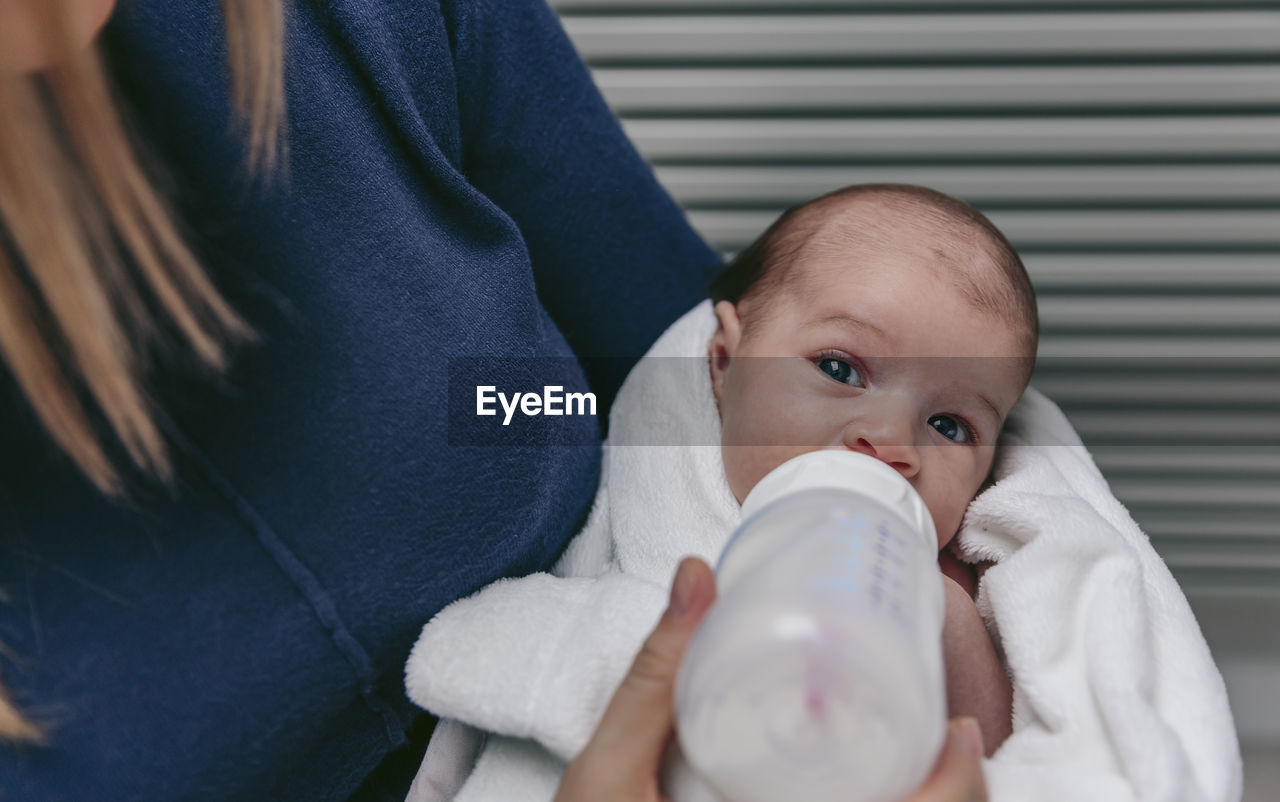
(614, 258)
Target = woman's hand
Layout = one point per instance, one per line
(957, 776)
(622, 760)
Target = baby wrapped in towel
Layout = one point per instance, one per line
(898, 322)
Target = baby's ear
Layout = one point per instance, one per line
(724, 343)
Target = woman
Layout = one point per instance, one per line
(214, 574)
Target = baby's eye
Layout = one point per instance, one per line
(952, 429)
(841, 371)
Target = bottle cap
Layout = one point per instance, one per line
(843, 470)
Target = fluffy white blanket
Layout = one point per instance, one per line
(1116, 697)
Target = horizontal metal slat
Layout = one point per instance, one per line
(755, 140)
(733, 230)
(1255, 583)
(1136, 388)
(663, 91)
(1138, 351)
(689, 38)
(1223, 553)
(1208, 522)
(1197, 575)
(1241, 583)
(781, 186)
(1195, 228)
(1181, 493)
(1102, 272)
(1164, 460)
(1191, 426)
(1146, 313)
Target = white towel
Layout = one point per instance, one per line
(538, 658)
(1115, 694)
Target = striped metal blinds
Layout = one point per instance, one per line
(1131, 151)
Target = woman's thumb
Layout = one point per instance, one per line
(957, 775)
(639, 719)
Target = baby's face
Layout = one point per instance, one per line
(882, 358)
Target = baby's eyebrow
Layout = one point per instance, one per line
(849, 321)
(995, 411)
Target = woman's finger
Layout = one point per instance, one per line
(957, 776)
(623, 756)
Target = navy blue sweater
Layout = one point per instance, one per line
(456, 189)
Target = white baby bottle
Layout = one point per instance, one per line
(817, 675)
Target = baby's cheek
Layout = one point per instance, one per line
(947, 506)
(954, 488)
(746, 465)
(947, 527)
(758, 434)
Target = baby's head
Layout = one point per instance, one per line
(912, 328)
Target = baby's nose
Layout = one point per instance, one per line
(897, 453)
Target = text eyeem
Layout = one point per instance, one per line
(551, 401)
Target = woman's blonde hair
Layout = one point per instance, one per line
(92, 264)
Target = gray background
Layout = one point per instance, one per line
(1130, 149)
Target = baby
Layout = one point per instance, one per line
(912, 328)
(894, 321)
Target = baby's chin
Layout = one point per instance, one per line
(947, 536)
(961, 572)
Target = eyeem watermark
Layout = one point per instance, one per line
(552, 401)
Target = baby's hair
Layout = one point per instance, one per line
(761, 267)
